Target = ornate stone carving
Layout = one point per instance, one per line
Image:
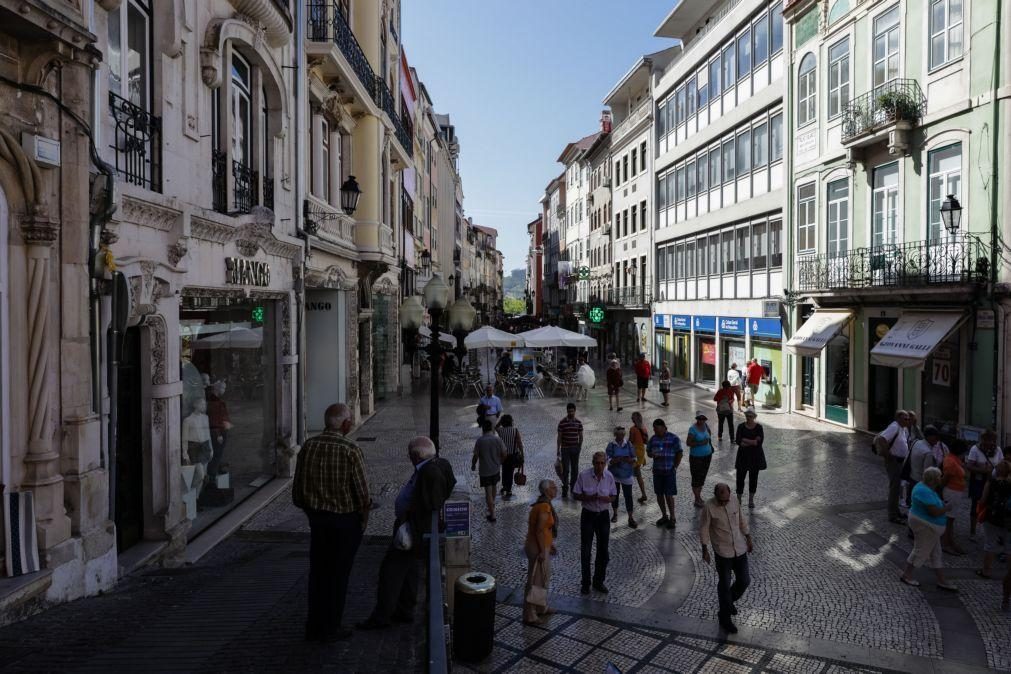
(177, 251)
(159, 350)
(147, 214)
(385, 286)
(39, 230)
(27, 170)
(333, 277)
(247, 247)
(158, 406)
(208, 230)
(286, 332)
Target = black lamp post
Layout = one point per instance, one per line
(350, 193)
(951, 214)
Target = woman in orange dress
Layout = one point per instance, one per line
(639, 436)
(542, 529)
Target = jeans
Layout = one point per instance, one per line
(893, 466)
(625, 489)
(509, 466)
(333, 544)
(398, 585)
(728, 592)
(594, 524)
(570, 467)
(752, 475)
(729, 418)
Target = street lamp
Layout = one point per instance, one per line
(951, 213)
(350, 193)
(426, 261)
(436, 297)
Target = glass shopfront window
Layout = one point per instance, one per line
(940, 387)
(705, 366)
(228, 408)
(837, 378)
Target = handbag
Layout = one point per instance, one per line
(537, 595)
(402, 537)
(520, 478)
(558, 468)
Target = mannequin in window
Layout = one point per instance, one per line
(196, 438)
(220, 424)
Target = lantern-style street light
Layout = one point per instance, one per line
(350, 193)
(951, 214)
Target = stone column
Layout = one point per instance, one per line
(42, 465)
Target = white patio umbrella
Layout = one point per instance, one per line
(552, 335)
(444, 337)
(489, 338)
(236, 338)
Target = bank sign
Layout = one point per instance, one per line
(732, 326)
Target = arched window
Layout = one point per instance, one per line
(807, 90)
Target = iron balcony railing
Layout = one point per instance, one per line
(401, 127)
(632, 296)
(247, 187)
(884, 105)
(137, 143)
(327, 22)
(245, 190)
(960, 258)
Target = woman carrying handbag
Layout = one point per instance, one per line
(514, 456)
(542, 530)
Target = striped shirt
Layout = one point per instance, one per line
(569, 433)
(330, 475)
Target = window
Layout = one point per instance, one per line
(760, 146)
(743, 248)
(776, 135)
(728, 251)
(661, 192)
(714, 254)
(679, 261)
(661, 264)
(729, 59)
(129, 63)
(701, 257)
(945, 31)
(775, 244)
(661, 121)
(885, 205)
(642, 215)
(617, 172)
(744, 54)
(703, 166)
(743, 153)
(838, 198)
(703, 90)
(728, 160)
(635, 213)
(714, 78)
(714, 168)
(807, 89)
(624, 169)
(680, 183)
(690, 259)
(671, 116)
(886, 46)
(324, 142)
(642, 156)
(776, 18)
(635, 162)
(679, 105)
(690, 177)
(691, 95)
(760, 30)
(758, 258)
(838, 77)
(806, 218)
(624, 222)
(945, 178)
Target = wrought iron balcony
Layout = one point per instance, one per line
(958, 259)
(401, 126)
(630, 297)
(327, 23)
(896, 101)
(246, 185)
(137, 143)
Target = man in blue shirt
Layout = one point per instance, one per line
(665, 450)
(492, 405)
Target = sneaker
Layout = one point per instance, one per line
(662, 522)
(632, 523)
(600, 587)
(585, 589)
(614, 517)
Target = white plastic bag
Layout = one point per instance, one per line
(402, 538)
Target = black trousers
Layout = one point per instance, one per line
(398, 585)
(592, 525)
(333, 544)
(727, 591)
(509, 466)
(752, 476)
(219, 438)
(625, 489)
(729, 418)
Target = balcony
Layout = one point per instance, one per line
(401, 125)
(959, 259)
(633, 297)
(630, 122)
(327, 25)
(896, 105)
(137, 144)
(328, 223)
(245, 186)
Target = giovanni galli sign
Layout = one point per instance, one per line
(246, 272)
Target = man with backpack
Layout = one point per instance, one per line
(892, 444)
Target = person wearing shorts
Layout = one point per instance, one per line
(665, 450)
(665, 383)
(489, 453)
(956, 495)
(997, 522)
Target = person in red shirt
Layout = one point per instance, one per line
(642, 375)
(755, 374)
(725, 410)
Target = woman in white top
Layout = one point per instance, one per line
(981, 463)
(734, 377)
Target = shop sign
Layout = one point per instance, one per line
(658, 320)
(732, 326)
(941, 371)
(242, 272)
(457, 517)
(709, 353)
(681, 322)
(766, 327)
(985, 319)
(704, 323)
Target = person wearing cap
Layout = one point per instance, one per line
(621, 462)
(750, 455)
(665, 450)
(643, 371)
(665, 383)
(700, 454)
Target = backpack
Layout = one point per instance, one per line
(879, 436)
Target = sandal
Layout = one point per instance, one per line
(912, 582)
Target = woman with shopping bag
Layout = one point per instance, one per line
(542, 529)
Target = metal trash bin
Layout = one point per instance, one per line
(474, 616)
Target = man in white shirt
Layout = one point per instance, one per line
(893, 444)
(595, 488)
(734, 377)
(492, 405)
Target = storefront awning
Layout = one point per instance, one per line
(817, 332)
(914, 337)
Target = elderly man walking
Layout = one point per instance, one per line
(331, 487)
(595, 488)
(893, 444)
(723, 527)
(424, 493)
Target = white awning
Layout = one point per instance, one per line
(819, 330)
(912, 339)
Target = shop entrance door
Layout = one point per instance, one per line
(807, 381)
(882, 382)
(381, 345)
(680, 365)
(129, 487)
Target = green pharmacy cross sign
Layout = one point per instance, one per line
(584, 273)
(258, 314)
(596, 314)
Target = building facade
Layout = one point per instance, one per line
(720, 188)
(593, 315)
(556, 272)
(893, 121)
(534, 293)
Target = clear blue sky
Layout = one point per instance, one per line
(520, 79)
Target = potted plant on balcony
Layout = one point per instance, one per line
(898, 106)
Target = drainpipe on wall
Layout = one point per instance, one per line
(299, 86)
(995, 202)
